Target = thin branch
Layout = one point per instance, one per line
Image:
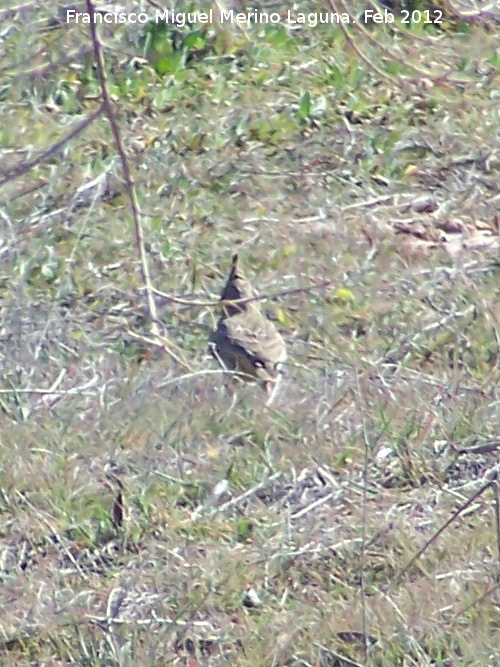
(364, 58)
(25, 167)
(160, 341)
(129, 184)
(258, 297)
(435, 76)
(398, 578)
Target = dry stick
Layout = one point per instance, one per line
(351, 41)
(388, 52)
(363, 554)
(364, 541)
(259, 297)
(497, 514)
(477, 601)
(129, 185)
(161, 341)
(8, 12)
(455, 515)
(396, 28)
(151, 311)
(404, 31)
(23, 168)
(492, 589)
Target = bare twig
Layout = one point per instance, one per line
(398, 578)
(25, 167)
(258, 297)
(129, 184)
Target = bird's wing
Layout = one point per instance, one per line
(256, 336)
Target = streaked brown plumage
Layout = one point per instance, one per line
(245, 341)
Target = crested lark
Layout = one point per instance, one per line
(245, 341)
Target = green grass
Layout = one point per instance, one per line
(312, 163)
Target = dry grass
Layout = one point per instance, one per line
(143, 522)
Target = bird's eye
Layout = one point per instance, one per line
(258, 363)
